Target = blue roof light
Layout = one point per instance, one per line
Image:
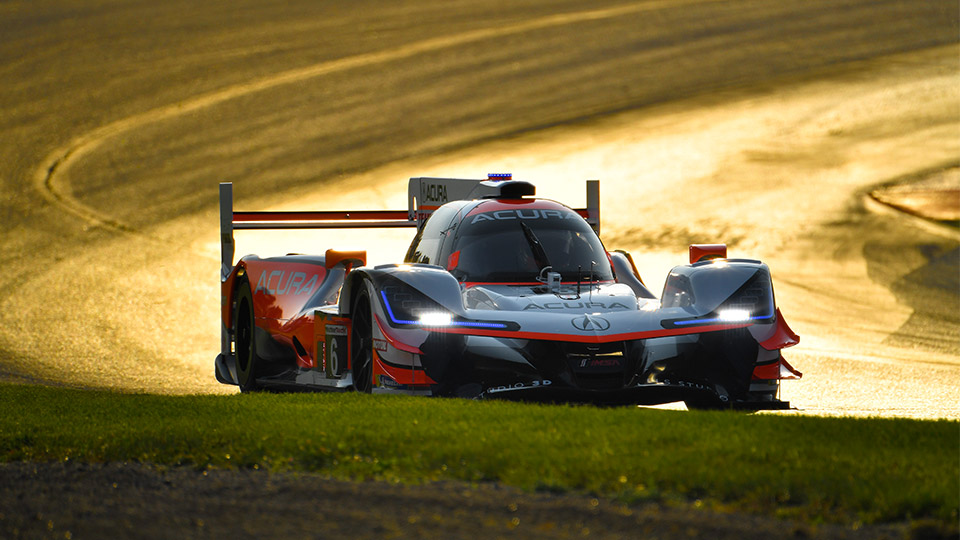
(499, 177)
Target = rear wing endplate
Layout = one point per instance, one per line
(424, 195)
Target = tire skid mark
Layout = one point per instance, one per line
(50, 179)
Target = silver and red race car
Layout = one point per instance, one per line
(500, 295)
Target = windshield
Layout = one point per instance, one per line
(504, 248)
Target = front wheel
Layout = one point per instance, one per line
(715, 400)
(361, 343)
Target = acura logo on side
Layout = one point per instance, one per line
(589, 323)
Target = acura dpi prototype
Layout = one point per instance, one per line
(500, 295)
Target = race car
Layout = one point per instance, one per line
(501, 295)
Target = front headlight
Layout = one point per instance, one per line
(407, 306)
(751, 303)
(436, 318)
(733, 315)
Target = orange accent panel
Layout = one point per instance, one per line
(703, 252)
(280, 288)
(334, 257)
(782, 336)
(776, 371)
(453, 260)
(410, 377)
(376, 368)
(397, 344)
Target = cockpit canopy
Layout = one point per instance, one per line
(505, 241)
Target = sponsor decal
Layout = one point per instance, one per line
(525, 213)
(333, 343)
(599, 362)
(590, 323)
(574, 305)
(697, 385)
(433, 193)
(322, 347)
(516, 386)
(388, 382)
(274, 283)
(336, 330)
(380, 344)
(334, 354)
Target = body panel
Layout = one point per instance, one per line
(512, 298)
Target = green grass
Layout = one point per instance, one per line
(820, 469)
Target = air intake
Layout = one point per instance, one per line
(508, 189)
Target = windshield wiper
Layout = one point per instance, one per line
(539, 255)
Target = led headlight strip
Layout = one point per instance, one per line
(738, 312)
(437, 319)
(727, 316)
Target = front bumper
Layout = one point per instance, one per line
(642, 394)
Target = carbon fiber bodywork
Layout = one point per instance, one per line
(507, 299)
(601, 345)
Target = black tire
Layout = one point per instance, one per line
(248, 364)
(708, 401)
(704, 405)
(361, 342)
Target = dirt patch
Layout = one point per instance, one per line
(121, 500)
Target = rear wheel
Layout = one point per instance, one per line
(245, 339)
(361, 342)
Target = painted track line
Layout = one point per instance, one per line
(51, 178)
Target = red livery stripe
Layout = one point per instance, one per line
(245, 217)
(397, 344)
(592, 338)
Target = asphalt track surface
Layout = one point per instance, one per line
(758, 123)
(761, 124)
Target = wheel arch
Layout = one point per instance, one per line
(351, 287)
(230, 289)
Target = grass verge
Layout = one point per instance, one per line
(818, 469)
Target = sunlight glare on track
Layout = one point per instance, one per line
(689, 173)
(52, 179)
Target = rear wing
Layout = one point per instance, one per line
(424, 195)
